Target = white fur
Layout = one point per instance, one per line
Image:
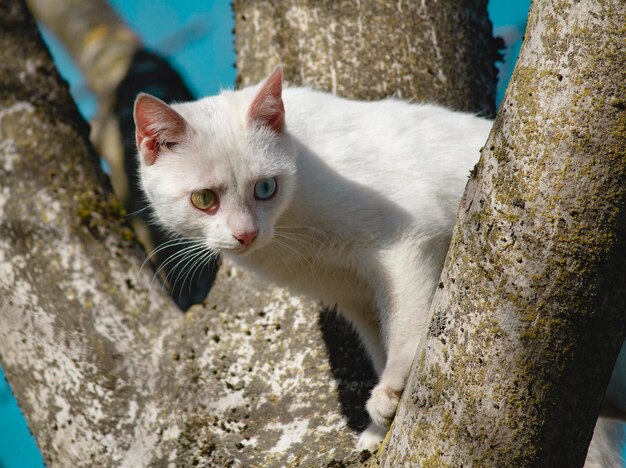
(362, 219)
(606, 448)
(607, 445)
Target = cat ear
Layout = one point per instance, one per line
(157, 126)
(267, 108)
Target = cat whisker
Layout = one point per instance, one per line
(165, 280)
(310, 228)
(181, 255)
(296, 231)
(169, 243)
(135, 213)
(296, 253)
(182, 270)
(197, 266)
(299, 242)
(171, 258)
(189, 255)
(275, 249)
(310, 242)
(164, 245)
(205, 260)
(185, 261)
(297, 235)
(315, 249)
(195, 262)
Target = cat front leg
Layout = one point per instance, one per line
(413, 270)
(370, 339)
(364, 318)
(371, 437)
(361, 314)
(385, 396)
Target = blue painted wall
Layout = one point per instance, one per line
(200, 44)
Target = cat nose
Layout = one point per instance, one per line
(245, 238)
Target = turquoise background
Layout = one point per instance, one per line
(200, 44)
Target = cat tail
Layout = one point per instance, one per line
(607, 445)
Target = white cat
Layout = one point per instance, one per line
(351, 203)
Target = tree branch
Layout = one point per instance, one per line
(528, 318)
(438, 52)
(107, 371)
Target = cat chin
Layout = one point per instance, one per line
(238, 253)
(242, 251)
(235, 250)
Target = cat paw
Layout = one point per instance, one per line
(371, 437)
(382, 404)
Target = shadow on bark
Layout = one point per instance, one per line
(350, 366)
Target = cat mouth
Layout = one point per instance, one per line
(244, 249)
(238, 249)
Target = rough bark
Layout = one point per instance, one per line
(103, 47)
(435, 51)
(107, 371)
(529, 314)
(116, 69)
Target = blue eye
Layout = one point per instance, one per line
(265, 189)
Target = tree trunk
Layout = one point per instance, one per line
(116, 68)
(429, 51)
(107, 371)
(529, 315)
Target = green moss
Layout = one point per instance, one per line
(438, 384)
(435, 460)
(100, 211)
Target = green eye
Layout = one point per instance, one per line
(204, 199)
(265, 189)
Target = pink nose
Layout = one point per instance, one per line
(246, 238)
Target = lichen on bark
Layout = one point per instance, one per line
(537, 264)
(106, 369)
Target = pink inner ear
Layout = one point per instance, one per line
(267, 108)
(157, 126)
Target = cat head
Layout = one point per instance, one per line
(221, 169)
